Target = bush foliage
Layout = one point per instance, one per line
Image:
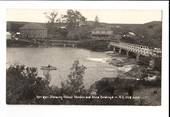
(24, 85)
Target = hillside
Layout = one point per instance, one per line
(154, 31)
(149, 34)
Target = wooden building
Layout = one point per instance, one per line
(33, 31)
(102, 33)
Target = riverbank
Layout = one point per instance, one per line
(94, 45)
(139, 82)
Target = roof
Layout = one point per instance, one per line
(33, 26)
(102, 28)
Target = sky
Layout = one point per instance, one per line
(107, 16)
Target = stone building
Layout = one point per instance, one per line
(33, 31)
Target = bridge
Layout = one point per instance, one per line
(64, 43)
(138, 50)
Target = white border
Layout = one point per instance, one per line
(99, 111)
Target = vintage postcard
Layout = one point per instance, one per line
(83, 56)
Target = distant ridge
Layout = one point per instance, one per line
(13, 26)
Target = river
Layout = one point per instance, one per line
(63, 58)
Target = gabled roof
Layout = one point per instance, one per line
(33, 26)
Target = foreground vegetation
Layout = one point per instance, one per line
(24, 86)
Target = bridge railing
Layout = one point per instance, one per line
(143, 50)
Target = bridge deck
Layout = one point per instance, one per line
(139, 49)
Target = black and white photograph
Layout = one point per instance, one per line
(83, 57)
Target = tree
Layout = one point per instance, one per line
(23, 85)
(52, 20)
(81, 33)
(96, 21)
(73, 19)
(74, 85)
(52, 17)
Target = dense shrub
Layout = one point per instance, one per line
(23, 85)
